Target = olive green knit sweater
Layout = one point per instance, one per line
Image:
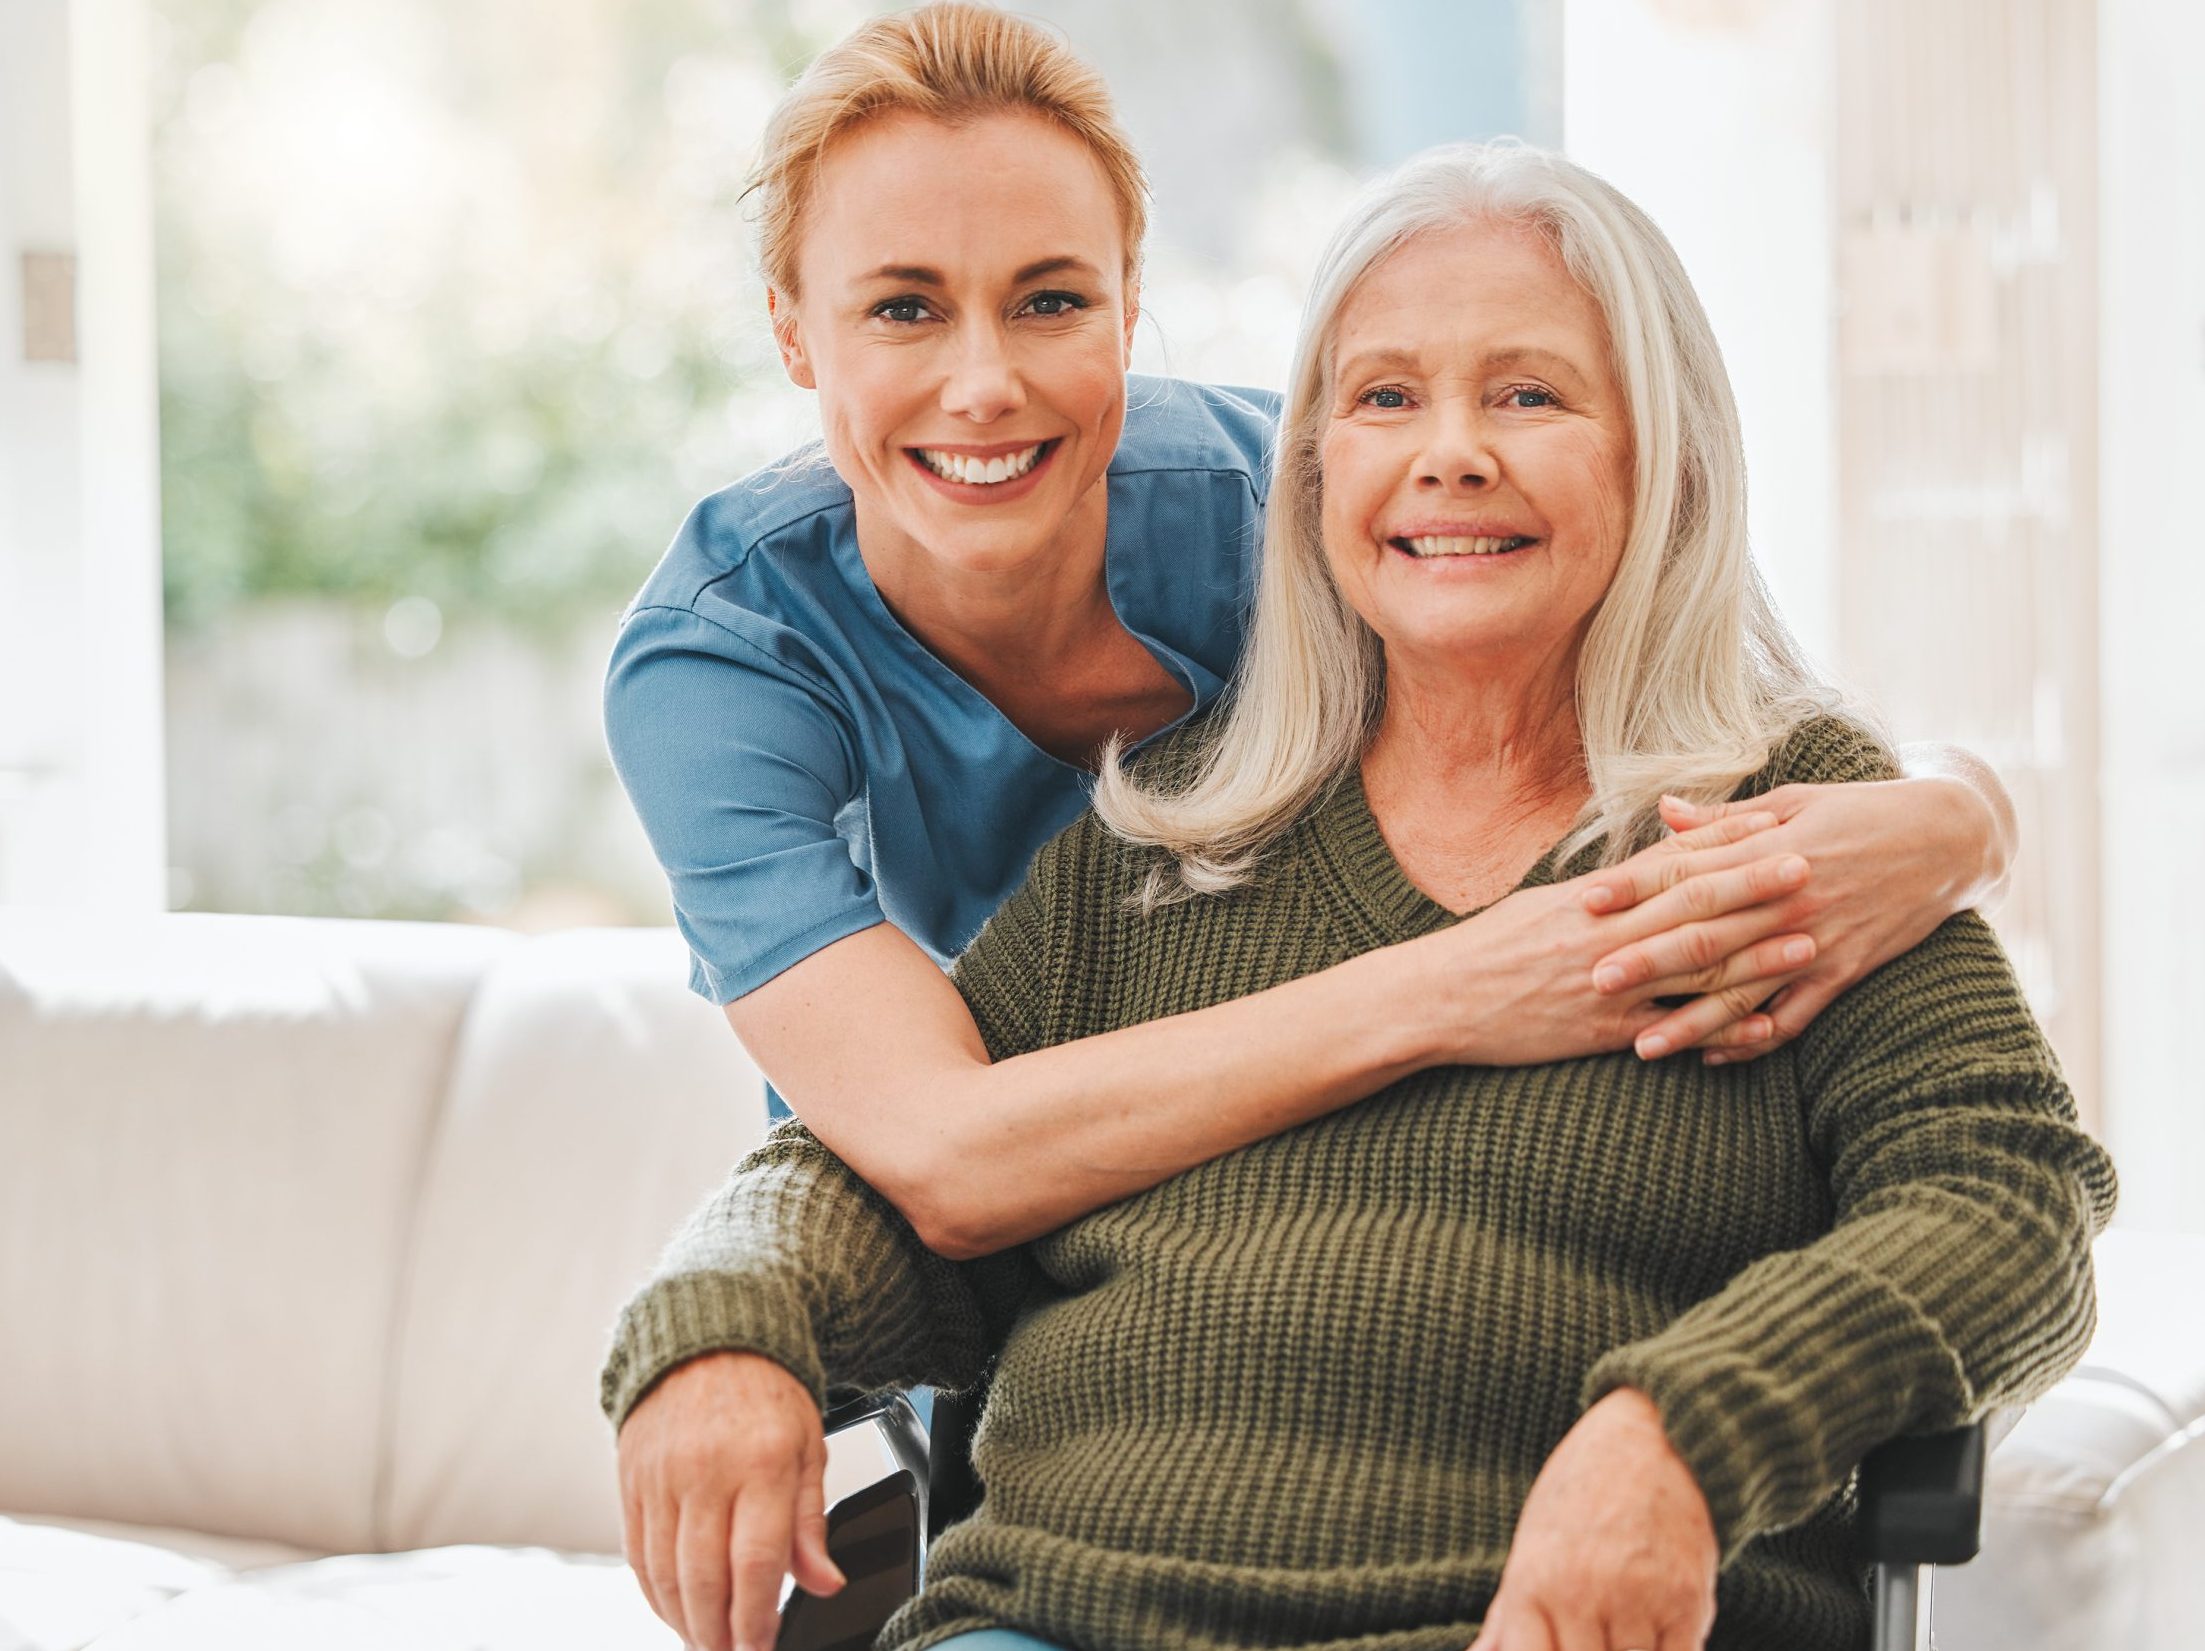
(1295, 1396)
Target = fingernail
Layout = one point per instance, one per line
(1608, 978)
(1600, 899)
(1760, 1028)
(1715, 1057)
(1652, 1047)
(1799, 951)
(1791, 868)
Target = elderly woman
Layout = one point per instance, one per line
(1574, 1355)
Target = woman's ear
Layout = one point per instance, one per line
(788, 338)
(1132, 316)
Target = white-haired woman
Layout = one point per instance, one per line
(862, 689)
(1567, 1356)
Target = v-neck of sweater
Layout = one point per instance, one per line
(1365, 885)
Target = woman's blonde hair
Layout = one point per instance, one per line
(950, 61)
(1687, 678)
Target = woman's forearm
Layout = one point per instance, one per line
(797, 1260)
(880, 1055)
(980, 1156)
(1987, 834)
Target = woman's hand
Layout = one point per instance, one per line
(1615, 1549)
(722, 1493)
(1717, 907)
(1891, 860)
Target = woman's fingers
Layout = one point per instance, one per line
(661, 1574)
(1783, 802)
(1789, 1013)
(1742, 960)
(1702, 922)
(632, 1545)
(1703, 1017)
(1651, 870)
(764, 1523)
(702, 1551)
(814, 1568)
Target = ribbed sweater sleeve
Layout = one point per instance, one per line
(1955, 1278)
(797, 1258)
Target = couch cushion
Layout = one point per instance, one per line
(2093, 1501)
(211, 1131)
(594, 1102)
(445, 1599)
(69, 1590)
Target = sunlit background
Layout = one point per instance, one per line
(453, 316)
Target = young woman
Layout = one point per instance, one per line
(866, 685)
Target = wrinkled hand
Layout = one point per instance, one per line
(1890, 860)
(1615, 1549)
(722, 1493)
(1714, 907)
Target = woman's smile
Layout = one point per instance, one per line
(991, 474)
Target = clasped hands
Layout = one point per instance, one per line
(1757, 913)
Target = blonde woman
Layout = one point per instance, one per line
(1575, 1355)
(867, 684)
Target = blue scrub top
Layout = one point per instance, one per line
(805, 768)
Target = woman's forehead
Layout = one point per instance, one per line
(1489, 290)
(976, 199)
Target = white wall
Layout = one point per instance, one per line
(2151, 401)
(1718, 120)
(80, 617)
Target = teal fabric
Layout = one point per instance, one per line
(805, 767)
(994, 1639)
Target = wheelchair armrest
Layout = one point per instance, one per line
(899, 1425)
(1921, 1498)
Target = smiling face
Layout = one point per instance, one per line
(965, 317)
(1476, 453)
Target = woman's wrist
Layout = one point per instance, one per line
(1970, 837)
(1437, 1003)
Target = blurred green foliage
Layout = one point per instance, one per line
(454, 301)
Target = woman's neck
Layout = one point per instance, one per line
(1471, 777)
(1011, 615)
(1036, 635)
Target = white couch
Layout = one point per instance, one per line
(311, 1233)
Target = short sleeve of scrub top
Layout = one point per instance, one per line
(805, 768)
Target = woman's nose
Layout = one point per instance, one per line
(1456, 457)
(983, 381)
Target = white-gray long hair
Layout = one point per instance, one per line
(1687, 678)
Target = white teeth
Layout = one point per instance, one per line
(1460, 547)
(961, 467)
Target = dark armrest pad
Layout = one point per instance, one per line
(1921, 1498)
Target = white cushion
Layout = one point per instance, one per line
(594, 1103)
(211, 1131)
(2094, 1500)
(67, 1590)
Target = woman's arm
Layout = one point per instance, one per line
(1891, 860)
(793, 1280)
(1956, 1277)
(983, 1142)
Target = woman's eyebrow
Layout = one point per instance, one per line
(1526, 355)
(924, 275)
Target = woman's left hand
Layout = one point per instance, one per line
(1615, 1549)
(1888, 861)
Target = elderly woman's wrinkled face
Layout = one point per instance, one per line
(1477, 455)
